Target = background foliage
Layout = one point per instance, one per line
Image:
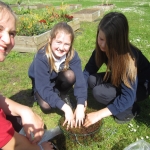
(34, 22)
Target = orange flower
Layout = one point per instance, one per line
(42, 21)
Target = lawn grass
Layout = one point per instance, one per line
(15, 83)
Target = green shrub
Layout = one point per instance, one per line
(42, 21)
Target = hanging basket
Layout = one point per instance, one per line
(82, 136)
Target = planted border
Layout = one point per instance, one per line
(34, 43)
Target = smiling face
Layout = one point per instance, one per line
(102, 41)
(7, 33)
(60, 45)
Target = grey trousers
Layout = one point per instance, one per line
(105, 93)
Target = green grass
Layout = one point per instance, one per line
(15, 83)
(84, 3)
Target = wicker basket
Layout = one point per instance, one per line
(82, 136)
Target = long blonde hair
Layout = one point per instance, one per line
(121, 63)
(61, 26)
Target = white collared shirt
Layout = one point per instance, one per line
(59, 61)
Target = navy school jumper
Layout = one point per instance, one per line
(44, 79)
(128, 95)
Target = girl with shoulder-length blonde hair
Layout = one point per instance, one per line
(127, 71)
(68, 30)
(56, 68)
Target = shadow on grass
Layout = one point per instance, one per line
(144, 116)
(121, 145)
(24, 97)
(69, 142)
(59, 141)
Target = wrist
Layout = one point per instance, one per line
(41, 148)
(80, 106)
(65, 108)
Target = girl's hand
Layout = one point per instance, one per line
(91, 118)
(69, 117)
(94, 117)
(79, 115)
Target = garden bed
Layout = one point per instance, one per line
(35, 6)
(75, 6)
(104, 7)
(34, 43)
(69, 6)
(87, 14)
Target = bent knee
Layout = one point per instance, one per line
(45, 109)
(98, 94)
(92, 81)
(103, 96)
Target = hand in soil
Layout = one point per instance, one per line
(69, 116)
(91, 118)
(81, 130)
(79, 115)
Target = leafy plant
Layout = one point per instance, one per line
(19, 2)
(22, 11)
(37, 23)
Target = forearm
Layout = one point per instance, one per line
(94, 117)
(11, 107)
(105, 112)
(20, 142)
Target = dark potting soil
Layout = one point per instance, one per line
(82, 130)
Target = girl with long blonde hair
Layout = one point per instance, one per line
(56, 68)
